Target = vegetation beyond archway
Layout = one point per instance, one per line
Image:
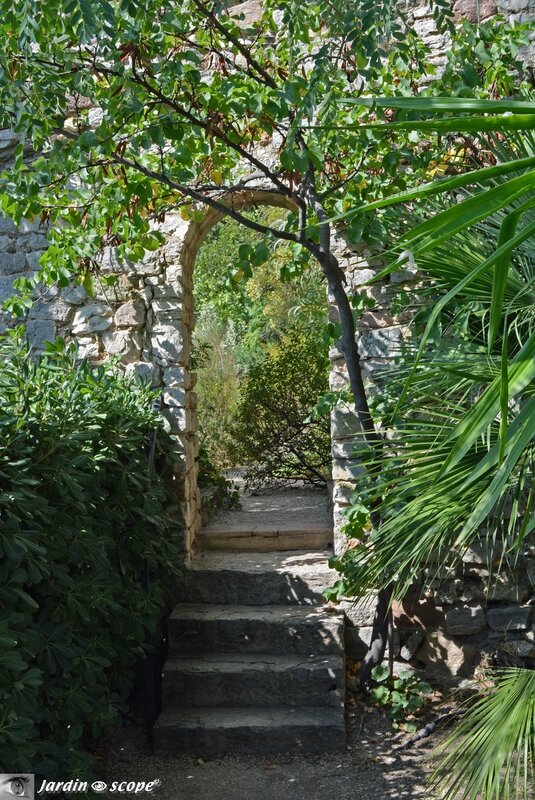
(261, 359)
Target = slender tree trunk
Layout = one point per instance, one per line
(382, 631)
(382, 624)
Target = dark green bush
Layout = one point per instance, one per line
(81, 515)
(275, 438)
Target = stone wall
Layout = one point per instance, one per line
(461, 622)
(145, 319)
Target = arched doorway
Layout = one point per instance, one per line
(179, 395)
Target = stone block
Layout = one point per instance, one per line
(520, 649)
(343, 492)
(123, 343)
(31, 242)
(39, 331)
(170, 307)
(56, 310)
(465, 620)
(7, 225)
(380, 343)
(7, 138)
(75, 295)
(11, 263)
(445, 658)
(109, 263)
(507, 6)
(177, 418)
(344, 423)
(92, 318)
(125, 288)
(425, 27)
(166, 291)
(411, 644)
(376, 319)
(509, 587)
(358, 640)
(146, 372)
(32, 259)
(6, 287)
(7, 244)
(417, 612)
(509, 618)
(472, 589)
(345, 448)
(130, 315)
(88, 348)
(358, 613)
(175, 376)
(167, 345)
(33, 226)
(175, 396)
(346, 469)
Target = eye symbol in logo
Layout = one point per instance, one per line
(99, 786)
(16, 786)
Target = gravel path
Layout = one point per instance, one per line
(368, 770)
(296, 506)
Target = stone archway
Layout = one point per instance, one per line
(172, 327)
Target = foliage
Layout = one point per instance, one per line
(216, 278)
(463, 409)
(492, 752)
(185, 98)
(274, 435)
(217, 387)
(401, 695)
(240, 321)
(217, 492)
(81, 516)
(158, 143)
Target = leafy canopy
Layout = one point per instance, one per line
(127, 110)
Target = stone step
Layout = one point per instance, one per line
(257, 579)
(196, 628)
(253, 680)
(249, 537)
(262, 731)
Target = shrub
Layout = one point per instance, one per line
(218, 493)
(81, 517)
(218, 385)
(274, 435)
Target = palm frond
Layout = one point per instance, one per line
(490, 754)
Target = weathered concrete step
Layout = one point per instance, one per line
(262, 731)
(257, 579)
(264, 538)
(195, 628)
(253, 680)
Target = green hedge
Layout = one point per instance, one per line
(80, 516)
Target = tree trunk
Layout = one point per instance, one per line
(383, 614)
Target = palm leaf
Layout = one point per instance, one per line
(490, 753)
(433, 104)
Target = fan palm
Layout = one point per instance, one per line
(461, 409)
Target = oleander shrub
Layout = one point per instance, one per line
(82, 516)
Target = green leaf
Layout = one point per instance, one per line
(380, 673)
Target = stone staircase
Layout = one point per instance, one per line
(256, 662)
